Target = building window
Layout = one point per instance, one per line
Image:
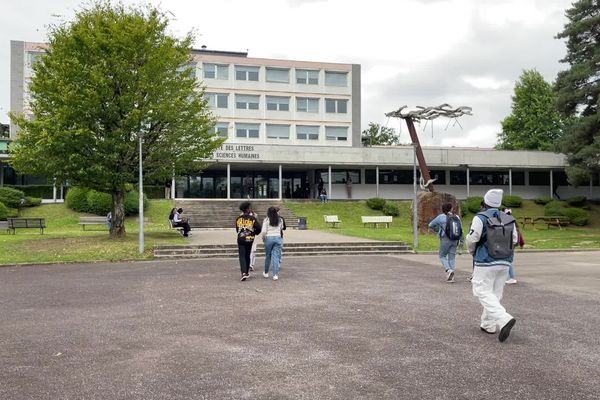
(222, 129)
(216, 71)
(559, 178)
(336, 78)
(33, 57)
(246, 102)
(281, 75)
(247, 130)
(245, 73)
(305, 132)
(217, 100)
(488, 177)
(307, 77)
(307, 104)
(458, 177)
(336, 106)
(276, 103)
(278, 131)
(518, 178)
(539, 178)
(339, 175)
(395, 177)
(338, 133)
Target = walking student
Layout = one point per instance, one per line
(449, 229)
(246, 227)
(491, 241)
(272, 235)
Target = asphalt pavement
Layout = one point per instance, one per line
(353, 327)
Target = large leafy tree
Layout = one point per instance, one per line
(107, 77)
(578, 90)
(534, 123)
(377, 135)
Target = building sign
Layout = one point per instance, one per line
(237, 152)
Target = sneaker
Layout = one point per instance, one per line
(251, 268)
(244, 277)
(487, 331)
(275, 277)
(511, 281)
(450, 276)
(505, 331)
(265, 274)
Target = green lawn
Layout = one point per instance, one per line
(64, 240)
(350, 213)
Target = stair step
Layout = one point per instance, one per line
(300, 254)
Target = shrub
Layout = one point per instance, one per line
(391, 209)
(4, 212)
(554, 212)
(132, 200)
(577, 216)
(43, 191)
(11, 198)
(76, 199)
(99, 203)
(512, 201)
(474, 203)
(463, 208)
(376, 203)
(542, 200)
(576, 201)
(32, 201)
(556, 204)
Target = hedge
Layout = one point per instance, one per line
(463, 208)
(32, 201)
(576, 201)
(391, 209)
(92, 201)
(376, 203)
(542, 200)
(577, 216)
(474, 203)
(42, 191)
(11, 198)
(512, 201)
(4, 212)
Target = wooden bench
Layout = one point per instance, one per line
(556, 221)
(4, 226)
(83, 221)
(27, 223)
(376, 220)
(332, 219)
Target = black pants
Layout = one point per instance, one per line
(244, 251)
(184, 225)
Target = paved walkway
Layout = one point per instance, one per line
(353, 327)
(227, 236)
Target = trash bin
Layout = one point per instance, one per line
(302, 223)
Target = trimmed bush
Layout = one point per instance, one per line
(576, 201)
(4, 212)
(463, 208)
(99, 203)
(554, 212)
(577, 216)
(376, 203)
(474, 203)
(391, 209)
(556, 204)
(11, 198)
(512, 201)
(32, 201)
(42, 191)
(542, 200)
(76, 199)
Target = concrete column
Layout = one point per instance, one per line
(228, 181)
(510, 181)
(468, 183)
(280, 181)
(329, 193)
(54, 191)
(551, 185)
(62, 192)
(377, 181)
(173, 187)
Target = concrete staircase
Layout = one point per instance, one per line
(222, 213)
(290, 249)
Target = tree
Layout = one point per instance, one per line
(377, 135)
(534, 123)
(107, 77)
(578, 91)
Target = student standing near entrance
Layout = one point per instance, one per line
(272, 235)
(491, 241)
(449, 229)
(246, 227)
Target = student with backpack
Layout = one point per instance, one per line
(449, 229)
(246, 227)
(491, 241)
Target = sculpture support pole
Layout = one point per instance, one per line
(419, 152)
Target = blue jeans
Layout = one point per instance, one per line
(511, 272)
(273, 248)
(447, 253)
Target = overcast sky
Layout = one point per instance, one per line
(421, 52)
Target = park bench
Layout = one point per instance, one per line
(376, 220)
(4, 226)
(177, 228)
(83, 221)
(26, 223)
(332, 219)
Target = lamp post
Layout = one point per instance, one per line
(415, 212)
(141, 190)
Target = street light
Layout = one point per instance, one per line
(415, 212)
(141, 190)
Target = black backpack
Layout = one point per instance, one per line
(453, 227)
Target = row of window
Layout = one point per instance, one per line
(272, 74)
(277, 103)
(279, 131)
(486, 178)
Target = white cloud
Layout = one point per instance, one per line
(486, 82)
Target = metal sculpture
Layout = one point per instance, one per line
(427, 114)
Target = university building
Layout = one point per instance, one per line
(289, 124)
